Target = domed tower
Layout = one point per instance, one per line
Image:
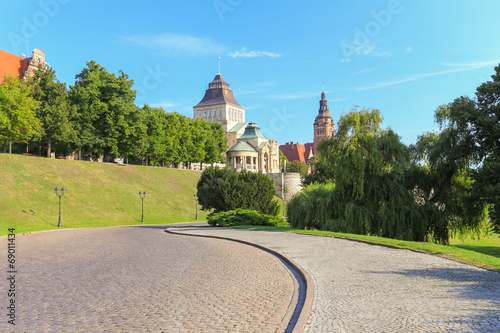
(324, 127)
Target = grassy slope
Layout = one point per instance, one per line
(96, 194)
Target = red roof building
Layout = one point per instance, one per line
(19, 66)
(297, 152)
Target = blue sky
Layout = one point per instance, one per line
(404, 57)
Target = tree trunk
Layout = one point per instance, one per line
(10, 146)
(49, 147)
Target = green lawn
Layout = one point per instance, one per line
(96, 194)
(484, 252)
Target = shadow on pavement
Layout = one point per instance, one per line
(469, 283)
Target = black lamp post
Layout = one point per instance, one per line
(142, 195)
(59, 193)
(196, 204)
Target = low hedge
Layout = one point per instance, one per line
(244, 217)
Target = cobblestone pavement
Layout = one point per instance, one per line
(365, 288)
(142, 279)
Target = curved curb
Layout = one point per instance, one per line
(306, 277)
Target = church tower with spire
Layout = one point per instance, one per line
(324, 127)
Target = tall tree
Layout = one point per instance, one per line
(156, 121)
(368, 192)
(105, 106)
(300, 167)
(18, 121)
(470, 142)
(173, 134)
(200, 131)
(216, 144)
(54, 109)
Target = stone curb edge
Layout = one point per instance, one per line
(309, 285)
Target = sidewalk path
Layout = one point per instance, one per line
(366, 288)
(142, 279)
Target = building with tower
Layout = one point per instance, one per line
(18, 66)
(324, 128)
(248, 148)
(219, 105)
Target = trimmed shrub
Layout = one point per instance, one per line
(244, 217)
(226, 189)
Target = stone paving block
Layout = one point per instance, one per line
(360, 287)
(141, 279)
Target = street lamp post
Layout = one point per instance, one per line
(142, 195)
(196, 204)
(59, 193)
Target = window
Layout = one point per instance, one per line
(209, 113)
(199, 113)
(205, 114)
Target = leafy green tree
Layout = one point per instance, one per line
(468, 148)
(107, 120)
(351, 126)
(258, 192)
(53, 110)
(133, 141)
(227, 189)
(219, 189)
(298, 166)
(18, 121)
(200, 131)
(216, 144)
(156, 122)
(173, 135)
(368, 193)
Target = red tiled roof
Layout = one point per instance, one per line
(296, 151)
(12, 64)
(293, 151)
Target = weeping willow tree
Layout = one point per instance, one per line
(368, 166)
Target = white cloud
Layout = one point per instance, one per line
(365, 70)
(244, 53)
(164, 105)
(474, 65)
(178, 44)
(415, 77)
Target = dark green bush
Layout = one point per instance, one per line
(226, 189)
(244, 217)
